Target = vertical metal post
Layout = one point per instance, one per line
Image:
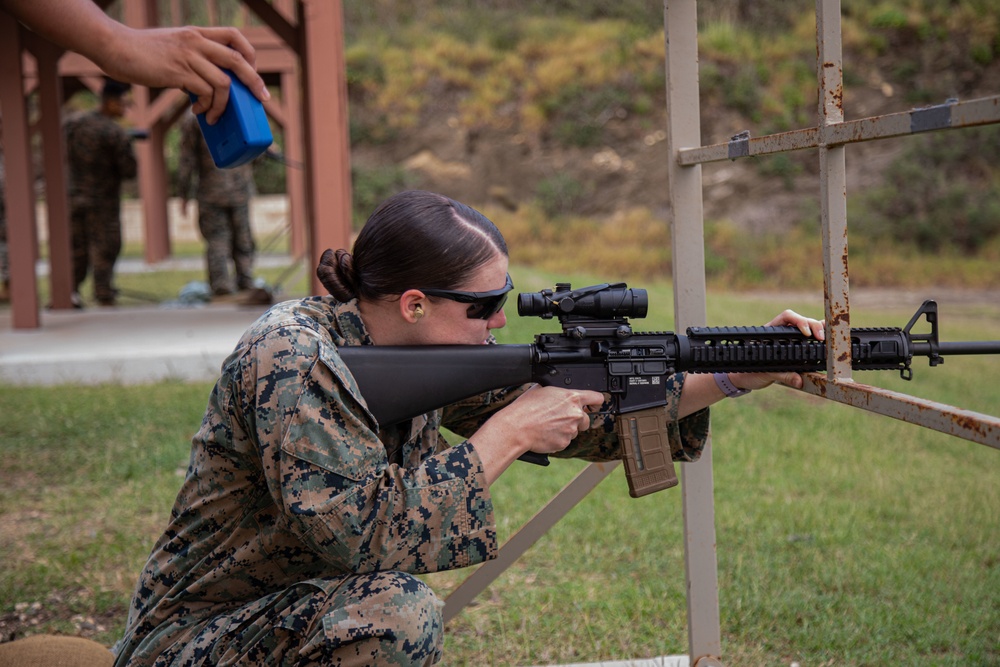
(833, 189)
(687, 235)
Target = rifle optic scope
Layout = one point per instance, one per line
(605, 301)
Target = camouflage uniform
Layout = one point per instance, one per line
(100, 157)
(223, 210)
(300, 525)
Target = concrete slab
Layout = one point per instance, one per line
(129, 344)
(122, 345)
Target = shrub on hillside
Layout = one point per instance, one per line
(942, 192)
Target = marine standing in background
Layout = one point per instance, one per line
(100, 157)
(223, 210)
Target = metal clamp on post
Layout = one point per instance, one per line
(932, 118)
(739, 145)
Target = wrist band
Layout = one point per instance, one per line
(727, 387)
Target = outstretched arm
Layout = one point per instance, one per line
(701, 390)
(189, 57)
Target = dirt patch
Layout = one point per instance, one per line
(63, 613)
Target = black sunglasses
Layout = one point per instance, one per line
(483, 305)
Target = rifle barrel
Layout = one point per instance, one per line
(923, 348)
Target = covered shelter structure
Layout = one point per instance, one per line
(300, 49)
(300, 54)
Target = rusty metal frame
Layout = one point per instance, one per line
(830, 137)
(950, 114)
(685, 194)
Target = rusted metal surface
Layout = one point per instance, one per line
(833, 186)
(833, 190)
(965, 424)
(769, 144)
(981, 111)
(707, 661)
(831, 136)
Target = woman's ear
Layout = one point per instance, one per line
(412, 305)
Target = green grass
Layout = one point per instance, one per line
(842, 537)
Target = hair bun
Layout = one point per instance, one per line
(336, 272)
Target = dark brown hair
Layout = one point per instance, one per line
(114, 89)
(413, 239)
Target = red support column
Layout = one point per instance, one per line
(22, 242)
(149, 153)
(153, 190)
(295, 179)
(328, 170)
(56, 181)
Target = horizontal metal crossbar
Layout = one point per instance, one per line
(951, 114)
(966, 424)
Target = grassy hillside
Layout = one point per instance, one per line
(552, 114)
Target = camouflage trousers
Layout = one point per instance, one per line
(379, 618)
(227, 234)
(96, 236)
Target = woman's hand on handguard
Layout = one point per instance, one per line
(808, 326)
(542, 420)
(701, 390)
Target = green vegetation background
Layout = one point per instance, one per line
(550, 75)
(843, 538)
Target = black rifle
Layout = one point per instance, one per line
(598, 350)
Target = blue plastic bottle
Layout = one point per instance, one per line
(242, 132)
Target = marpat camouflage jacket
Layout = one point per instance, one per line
(99, 156)
(290, 478)
(196, 171)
